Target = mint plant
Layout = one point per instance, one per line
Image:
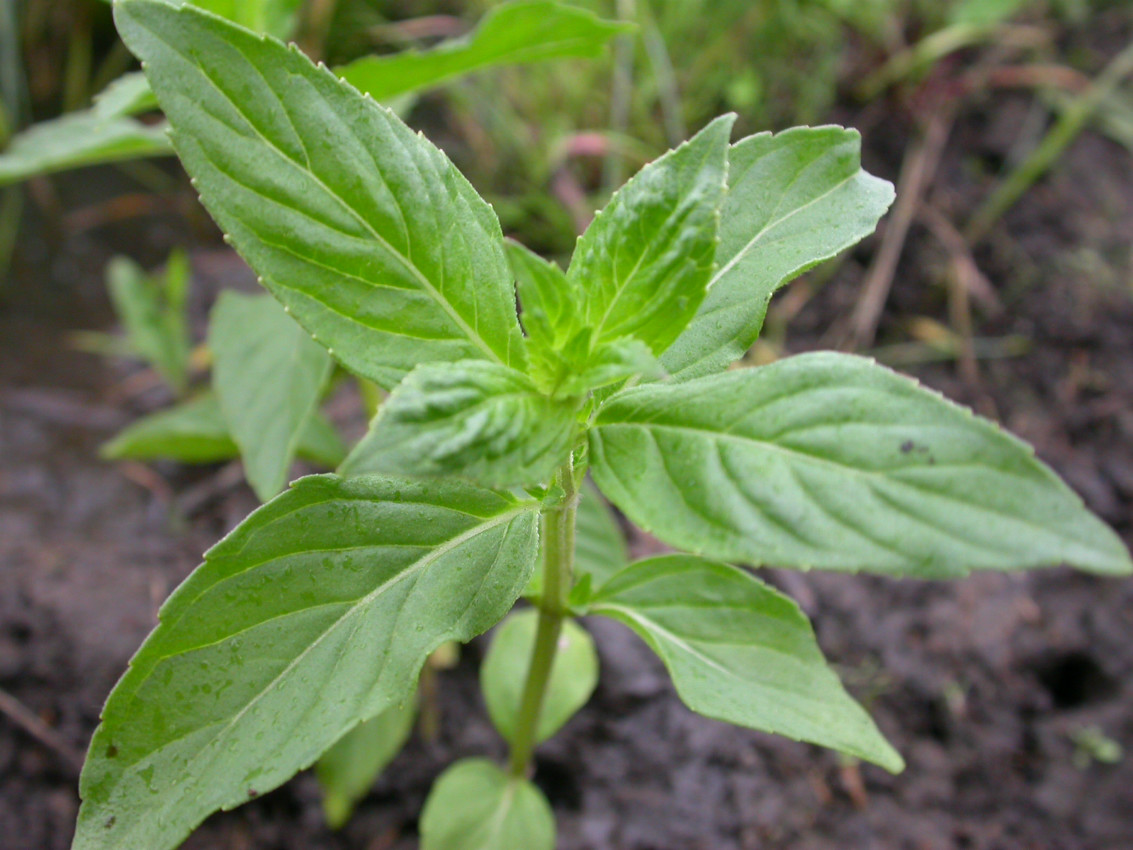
(317, 612)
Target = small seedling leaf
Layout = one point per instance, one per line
(574, 674)
(152, 312)
(348, 770)
(195, 432)
(476, 806)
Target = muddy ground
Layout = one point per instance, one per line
(989, 686)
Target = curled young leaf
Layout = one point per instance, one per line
(476, 806)
(470, 419)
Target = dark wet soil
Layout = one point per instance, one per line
(990, 687)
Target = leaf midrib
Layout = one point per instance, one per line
(751, 243)
(882, 475)
(682, 644)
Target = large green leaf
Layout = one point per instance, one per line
(315, 613)
(347, 770)
(831, 461)
(794, 199)
(367, 232)
(268, 375)
(152, 311)
(78, 139)
(740, 651)
(643, 264)
(510, 33)
(574, 674)
(472, 419)
(195, 432)
(476, 806)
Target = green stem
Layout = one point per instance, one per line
(558, 566)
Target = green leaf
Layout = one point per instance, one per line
(600, 548)
(320, 443)
(367, 232)
(509, 34)
(348, 770)
(152, 311)
(741, 652)
(79, 139)
(643, 264)
(128, 95)
(476, 806)
(192, 432)
(195, 432)
(503, 674)
(317, 612)
(268, 375)
(610, 363)
(831, 461)
(472, 419)
(794, 199)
